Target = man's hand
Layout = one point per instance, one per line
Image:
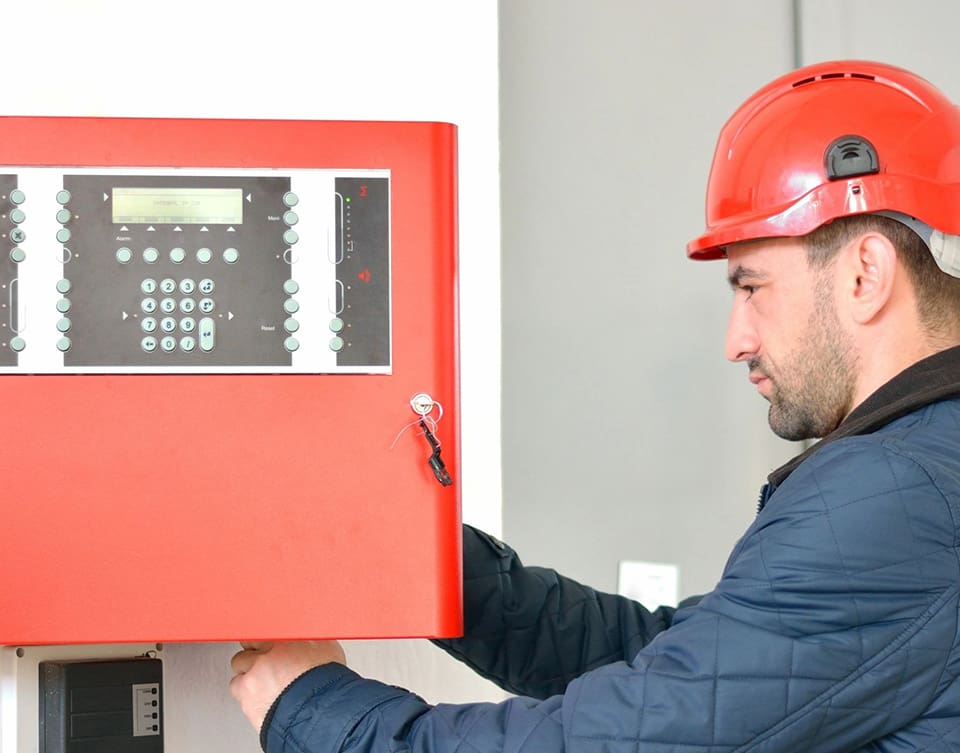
(263, 670)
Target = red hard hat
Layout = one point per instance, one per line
(831, 140)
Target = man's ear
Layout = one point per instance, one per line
(870, 270)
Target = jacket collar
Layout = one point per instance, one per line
(935, 378)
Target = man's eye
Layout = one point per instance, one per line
(748, 289)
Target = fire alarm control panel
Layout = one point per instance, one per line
(229, 377)
(196, 271)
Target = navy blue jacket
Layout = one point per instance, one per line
(834, 626)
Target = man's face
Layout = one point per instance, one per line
(784, 325)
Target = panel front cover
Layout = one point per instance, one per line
(228, 370)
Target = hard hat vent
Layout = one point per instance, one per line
(827, 76)
(849, 156)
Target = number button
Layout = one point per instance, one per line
(148, 286)
(167, 286)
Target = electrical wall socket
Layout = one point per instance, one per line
(653, 584)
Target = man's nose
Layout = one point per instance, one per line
(742, 341)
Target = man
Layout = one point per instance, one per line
(835, 198)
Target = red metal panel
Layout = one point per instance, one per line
(222, 507)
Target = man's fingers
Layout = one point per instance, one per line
(242, 661)
(257, 645)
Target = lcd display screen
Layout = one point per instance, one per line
(178, 206)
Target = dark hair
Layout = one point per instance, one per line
(937, 293)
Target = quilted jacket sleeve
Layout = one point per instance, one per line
(531, 631)
(831, 627)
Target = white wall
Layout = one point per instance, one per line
(318, 59)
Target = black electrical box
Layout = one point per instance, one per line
(108, 706)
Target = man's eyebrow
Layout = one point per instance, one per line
(741, 273)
